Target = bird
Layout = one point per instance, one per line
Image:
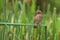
(37, 18)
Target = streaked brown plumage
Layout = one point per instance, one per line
(37, 18)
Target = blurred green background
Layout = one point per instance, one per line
(23, 12)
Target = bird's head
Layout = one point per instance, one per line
(39, 12)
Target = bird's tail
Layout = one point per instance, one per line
(35, 26)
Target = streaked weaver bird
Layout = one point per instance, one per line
(37, 18)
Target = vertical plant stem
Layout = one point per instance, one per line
(5, 10)
(45, 32)
(39, 33)
(59, 35)
(3, 35)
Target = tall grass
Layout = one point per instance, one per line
(15, 12)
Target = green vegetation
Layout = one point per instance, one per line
(15, 12)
